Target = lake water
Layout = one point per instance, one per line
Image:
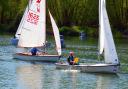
(27, 75)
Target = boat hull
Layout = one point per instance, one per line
(66, 66)
(100, 68)
(90, 68)
(43, 58)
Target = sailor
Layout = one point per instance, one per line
(70, 59)
(34, 51)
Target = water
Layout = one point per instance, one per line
(27, 75)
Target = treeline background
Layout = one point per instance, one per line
(71, 16)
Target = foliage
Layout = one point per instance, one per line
(118, 13)
(70, 31)
(70, 13)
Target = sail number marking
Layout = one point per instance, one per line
(33, 18)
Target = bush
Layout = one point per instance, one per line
(70, 31)
(93, 32)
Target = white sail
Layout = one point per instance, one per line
(56, 34)
(104, 2)
(99, 10)
(110, 53)
(33, 29)
(22, 20)
(101, 28)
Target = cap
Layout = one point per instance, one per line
(71, 53)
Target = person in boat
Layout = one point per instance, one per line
(34, 51)
(73, 60)
(70, 59)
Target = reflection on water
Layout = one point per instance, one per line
(106, 81)
(37, 76)
(73, 79)
(30, 77)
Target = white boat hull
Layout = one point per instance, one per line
(100, 68)
(43, 58)
(66, 66)
(90, 68)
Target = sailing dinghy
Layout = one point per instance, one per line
(33, 33)
(106, 46)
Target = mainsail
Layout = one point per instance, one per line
(33, 29)
(56, 34)
(110, 53)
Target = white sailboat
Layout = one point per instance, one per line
(33, 33)
(106, 46)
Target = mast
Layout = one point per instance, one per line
(101, 28)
